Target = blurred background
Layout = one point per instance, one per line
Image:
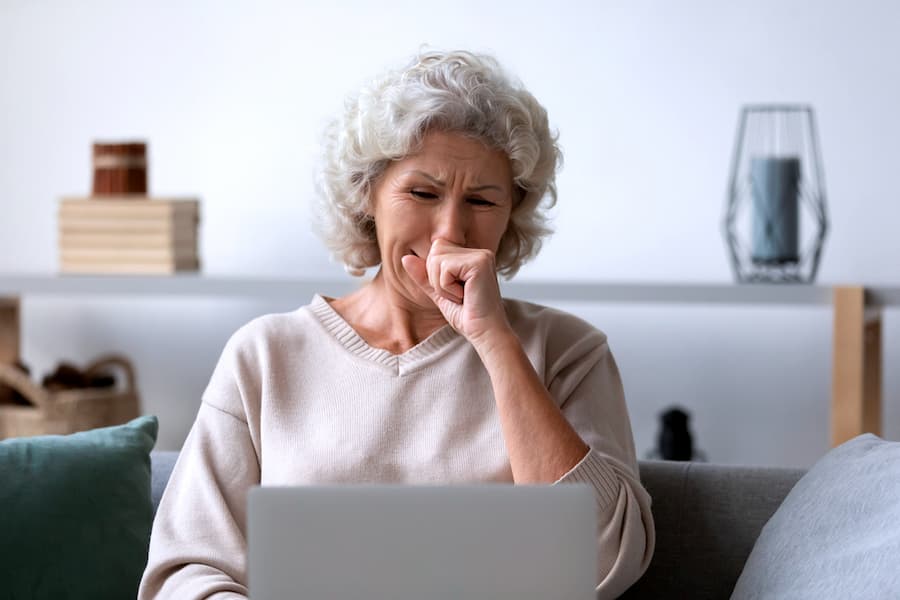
(232, 98)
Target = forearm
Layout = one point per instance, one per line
(541, 444)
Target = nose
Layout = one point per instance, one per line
(451, 222)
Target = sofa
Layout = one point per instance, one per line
(707, 520)
(76, 513)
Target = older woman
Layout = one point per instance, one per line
(439, 175)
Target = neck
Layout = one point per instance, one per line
(387, 318)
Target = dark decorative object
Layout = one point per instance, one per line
(775, 220)
(674, 441)
(69, 377)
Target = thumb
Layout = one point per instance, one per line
(415, 266)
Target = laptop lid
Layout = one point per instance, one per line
(395, 542)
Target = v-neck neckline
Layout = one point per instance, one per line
(411, 360)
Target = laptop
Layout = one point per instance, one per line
(393, 542)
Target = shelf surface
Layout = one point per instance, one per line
(200, 285)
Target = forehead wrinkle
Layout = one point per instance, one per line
(440, 182)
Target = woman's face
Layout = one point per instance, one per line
(455, 188)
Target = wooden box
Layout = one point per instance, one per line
(120, 169)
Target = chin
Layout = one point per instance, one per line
(417, 296)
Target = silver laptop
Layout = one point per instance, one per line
(380, 542)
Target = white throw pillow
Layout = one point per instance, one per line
(837, 533)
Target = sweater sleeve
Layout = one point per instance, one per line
(588, 384)
(198, 543)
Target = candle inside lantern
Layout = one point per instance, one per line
(775, 185)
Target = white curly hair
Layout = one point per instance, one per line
(455, 91)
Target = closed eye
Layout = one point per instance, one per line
(480, 202)
(425, 195)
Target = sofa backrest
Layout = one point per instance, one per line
(161, 463)
(707, 519)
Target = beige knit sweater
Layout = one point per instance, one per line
(300, 398)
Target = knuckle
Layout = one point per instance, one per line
(486, 257)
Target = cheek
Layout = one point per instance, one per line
(400, 228)
(491, 231)
(501, 223)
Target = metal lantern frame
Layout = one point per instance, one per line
(784, 125)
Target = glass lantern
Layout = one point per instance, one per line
(775, 218)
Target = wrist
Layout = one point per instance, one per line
(494, 348)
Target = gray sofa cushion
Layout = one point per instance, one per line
(707, 518)
(162, 463)
(836, 534)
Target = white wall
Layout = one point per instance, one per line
(232, 97)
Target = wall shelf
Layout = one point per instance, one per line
(856, 357)
(265, 288)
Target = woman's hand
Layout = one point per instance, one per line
(462, 283)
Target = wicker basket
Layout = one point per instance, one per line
(68, 411)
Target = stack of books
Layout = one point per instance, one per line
(128, 235)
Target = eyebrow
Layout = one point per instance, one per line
(436, 181)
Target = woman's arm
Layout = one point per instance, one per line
(586, 440)
(574, 429)
(198, 543)
(462, 282)
(542, 445)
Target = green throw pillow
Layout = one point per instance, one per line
(75, 512)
